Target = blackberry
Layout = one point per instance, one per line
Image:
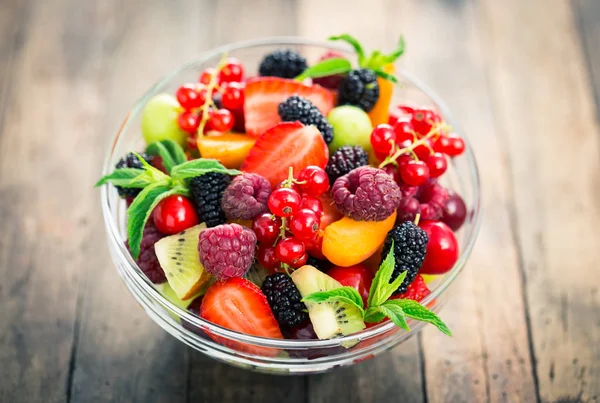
(207, 192)
(410, 243)
(316, 263)
(284, 63)
(359, 88)
(131, 161)
(285, 300)
(344, 160)
(301, 109)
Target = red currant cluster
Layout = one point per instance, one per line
(198, 99)
(416, 142)
(291, 230)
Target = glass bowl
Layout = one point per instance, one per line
(252, 352)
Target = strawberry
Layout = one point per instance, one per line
(288, 144)
(239, 305)
(264, 94)
(417, 290)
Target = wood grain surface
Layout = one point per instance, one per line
(523, 78)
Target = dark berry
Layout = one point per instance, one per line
(131, 161)
(359, 88)
(316, 263)
(410, 243)
(147, 260)
(344, 160)
(284, 63)
(207, 191)
(285, 300)
(301, 109)
(227, 250)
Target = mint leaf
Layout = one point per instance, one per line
(327, 67)
(171, 153)
(354, 43)
(346, 294)
(416, 311)
(377, 60)
(389, 77)
(396, 315)
(373, 315)
(199, 167)
(121, 177)
(381, 289)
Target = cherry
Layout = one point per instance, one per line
(222, 120)
(233, 96)
(305, 224)
(284, 202)
(408, 209)
(442, 248)
(414, 173)
(206, 75)
(266, 228)
(188, 97)
(454, 212)
(383, 138)
(455, 146)
(267, 258)
(437, 164)
(173, 214)
(298, 263)
(316, 181)
(188, 122)
(289, 250)
(358, 276)
(233, 71)
(312, 203)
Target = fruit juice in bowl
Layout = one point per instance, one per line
(287, 214)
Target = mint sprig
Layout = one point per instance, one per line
(379, 305)
(199, 167)
(171, 153)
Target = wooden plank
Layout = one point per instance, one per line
(587, 14)
(545, 112)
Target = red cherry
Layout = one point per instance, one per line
(312, 203)
(358, 276)
(383, 138)
(206, 75)
(289, 250)
(284, 202)
(233, 96)
(298, 263)
(233, 71)
(317, 181)
(414, 173)
(222, 120)
(188, 97)
(267, 258)
(173, 214)
(455, 146)
(305, 224)
(454, 212)
(188, 122)
(437, 164)
(266, 228)
(442, 248)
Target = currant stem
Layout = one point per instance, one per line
(417, 218)
(209, 92)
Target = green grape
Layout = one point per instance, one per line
(159, 120)
(351, 126)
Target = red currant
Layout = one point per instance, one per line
(233, 71)
(437, 164)
(188, 97)
(456, 145)
(192, 141)
(414, 173)
(284, 202)
(404, 159)
(305, 224)
(293, 186)
(298, 263)
(222, 120)
(423, 120)
(312, 203)
(188, 122)
(267, 258)
(404, 130)
(289, 250)
(315, 247)
(383, 138)
(233, 96)
(266, 228)
(174, 214)
(316, 181)
(206, 75)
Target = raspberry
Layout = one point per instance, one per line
(359, 88)
(301, 109)
(416, 291)
(131, 161)
(246, 197)
(344, 160)
(147, 259)
(227, 250)
(366, 194)
(284, 63)
(207, 191)
(410, 243)
(285, 300)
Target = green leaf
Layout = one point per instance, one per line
(199, 167)
(396, 315)
(373, 315)
(389, 77)
(381, 289)
(327, 67)
(377, 60)
(171, 153)
(342, 294)
(416, 311)
(354, 43)
(121, 177)
(156, 174)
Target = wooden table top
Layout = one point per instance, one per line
(523, 77)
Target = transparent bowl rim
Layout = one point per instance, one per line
(147, 285)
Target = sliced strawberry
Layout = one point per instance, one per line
(264, 94)
(288, 144)
(417, 290)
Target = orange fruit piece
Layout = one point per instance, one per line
(380, 112)
(348, 242)
(230, 149)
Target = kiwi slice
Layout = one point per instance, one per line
(329, 319)
(179, 258)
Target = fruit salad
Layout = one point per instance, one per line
(294, 202)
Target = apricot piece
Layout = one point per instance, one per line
(230, 149)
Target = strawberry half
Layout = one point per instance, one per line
(417, 290)
(239, 305)
(264, 94)
(288, 144)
